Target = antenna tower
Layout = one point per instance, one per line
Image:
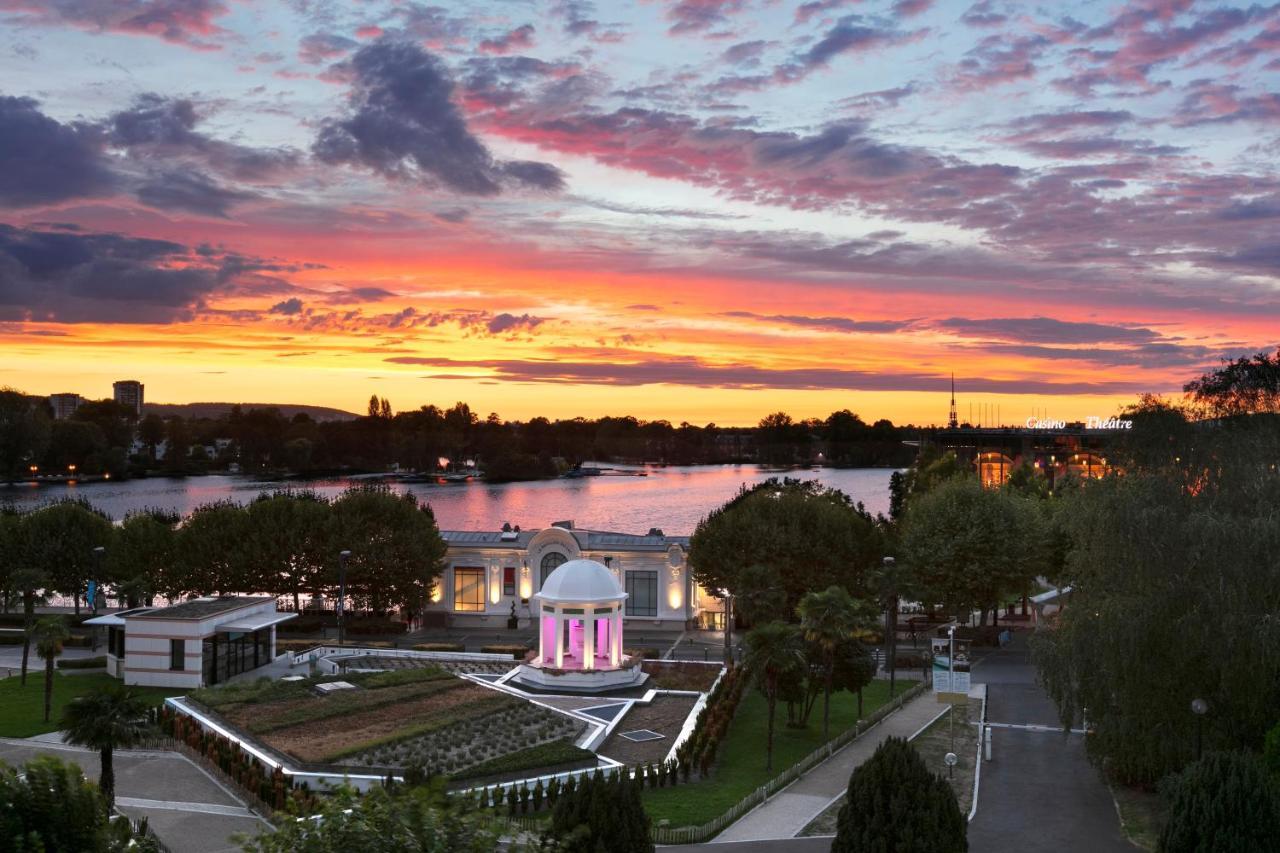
(952, 420)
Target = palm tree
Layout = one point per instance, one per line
(773, 656)
(107, 719)
(30, 581)
(50, 633)
(828, 619)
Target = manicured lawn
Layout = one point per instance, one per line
(22, 708)
(1142, 815)
(740, 762)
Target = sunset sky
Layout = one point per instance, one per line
(702, 210)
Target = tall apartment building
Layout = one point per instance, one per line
(128, 392)
(64, 405)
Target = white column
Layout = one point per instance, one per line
(559, 639)
(588, 640)
(615, 638)
(542, 636)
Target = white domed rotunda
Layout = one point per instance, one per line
(580, 609)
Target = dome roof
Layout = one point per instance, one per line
(581, 581)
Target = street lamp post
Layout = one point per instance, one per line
(98, 554)
(1199, 707)
(891, 623)
(342, 594)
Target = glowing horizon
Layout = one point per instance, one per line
(699, 212)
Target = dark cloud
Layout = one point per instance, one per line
(911, 8)
(984, 13)
(404, 125)
(521, 38)
(1208, 102)
(1046, 330)
(694, 16)
(188, 22)
(745, 54)
(287, 307)
(502, 323)
(1000, 59)
(158, 128)
(880, 99)
(189, 190)
(43, 161)
(693, 372)
(70, 277)
(829, 324)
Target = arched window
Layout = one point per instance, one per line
(550, 563)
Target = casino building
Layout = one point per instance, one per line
(489, 575)
(1062, 450)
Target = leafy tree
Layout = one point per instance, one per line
(416, 819)
(603, 815)
(828, 620)
(1223, 803)
(288, 538)
(49, 807)
(24, 433)
(777, 540)
(59, 540)
(396, 550)
(895, 804)
(1247, 385)
(969, 547)
(106, 719)
(1271, 752)
(773, 657)
(212, 552)
(151, 431)
(142, 556)
(1174, 596)
(50, 633)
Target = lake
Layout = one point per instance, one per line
(673, 498)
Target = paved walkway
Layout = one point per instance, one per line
(1039, 793)
(791, 809)
(188, 809)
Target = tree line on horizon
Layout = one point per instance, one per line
(105, 437)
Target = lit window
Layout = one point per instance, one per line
(509, 580)
(468, 589)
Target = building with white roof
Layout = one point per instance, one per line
(193, 644)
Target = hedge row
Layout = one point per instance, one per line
(543, 756)
(527, 800)
(713, 722)
(273, 788)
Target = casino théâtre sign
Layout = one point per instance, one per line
(1091, 422)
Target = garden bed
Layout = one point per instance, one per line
(665, 715)
(681, 675)
(424, 717)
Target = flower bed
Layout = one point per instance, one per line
(681, 675)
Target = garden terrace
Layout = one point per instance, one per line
(665, 715)
(423, 717)
(681, 675)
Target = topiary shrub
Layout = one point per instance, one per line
(896, 804)
(1225, 803)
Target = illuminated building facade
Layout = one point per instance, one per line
(1054, 451)
(487, 572)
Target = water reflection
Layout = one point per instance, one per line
(670, 498)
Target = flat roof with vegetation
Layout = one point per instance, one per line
(202, 608)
